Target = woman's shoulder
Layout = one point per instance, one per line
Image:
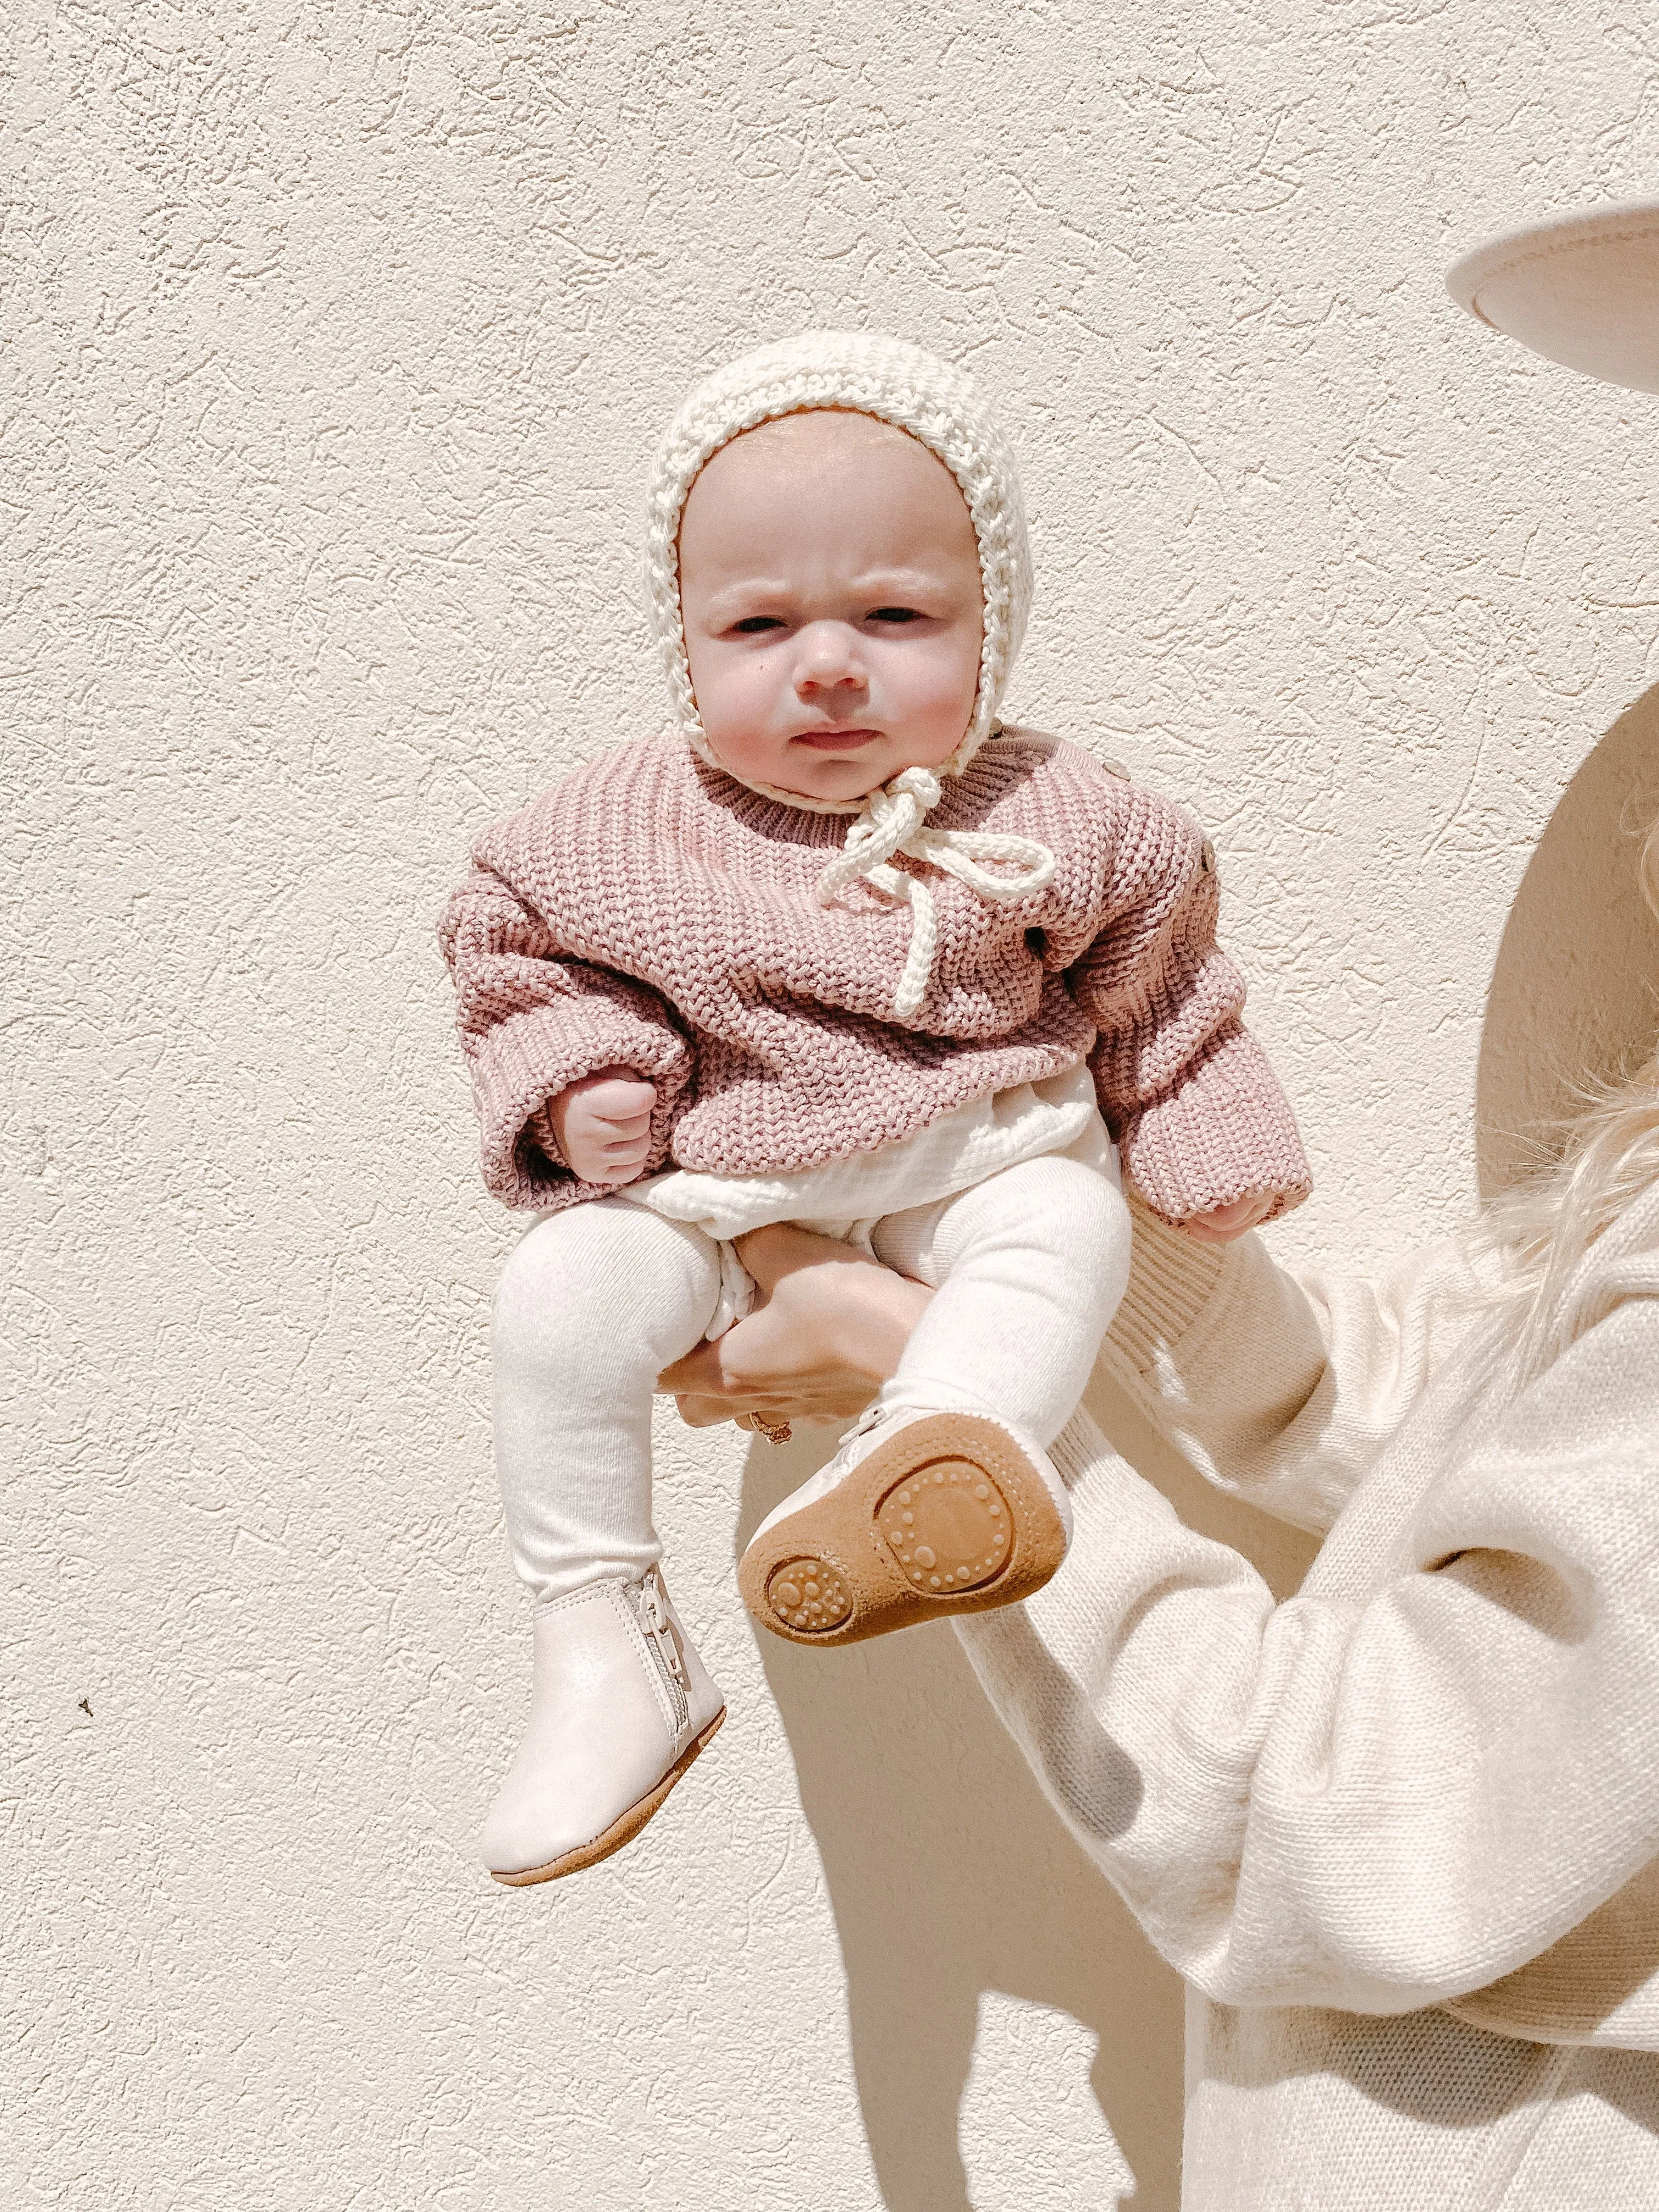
(1606, 1381)
(1624, 1262)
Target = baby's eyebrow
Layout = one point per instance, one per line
(868, 581)
(752, 595)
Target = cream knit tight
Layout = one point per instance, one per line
(595, 1302)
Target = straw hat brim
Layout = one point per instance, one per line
(1581, 289)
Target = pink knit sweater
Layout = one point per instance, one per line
(654, 913)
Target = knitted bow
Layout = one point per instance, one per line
(893, 821)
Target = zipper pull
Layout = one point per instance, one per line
(657, 1618)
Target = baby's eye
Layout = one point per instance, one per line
(752, 625)
(894, 615)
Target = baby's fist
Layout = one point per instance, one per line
(1223, 1223)
(602, 1125)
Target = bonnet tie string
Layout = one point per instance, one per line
(893, 822)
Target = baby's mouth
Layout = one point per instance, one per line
(836, 741)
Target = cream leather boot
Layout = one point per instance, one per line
(620, 1706)
(918, 1516)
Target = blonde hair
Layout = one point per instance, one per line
(1604, 1159)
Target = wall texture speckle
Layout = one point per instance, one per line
(335, 340)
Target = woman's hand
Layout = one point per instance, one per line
(828, 1333)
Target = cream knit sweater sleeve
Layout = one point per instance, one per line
(1438, 1759)
(1281, 1388)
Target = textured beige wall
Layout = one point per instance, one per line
(335, 340)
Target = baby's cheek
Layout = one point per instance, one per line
(739, 713)
(931, 691)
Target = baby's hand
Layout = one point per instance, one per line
(603, 1125)
(1223, 1223)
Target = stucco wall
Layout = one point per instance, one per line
(335, 342)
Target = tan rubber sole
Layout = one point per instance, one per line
(621, 1830)
(949, 1517)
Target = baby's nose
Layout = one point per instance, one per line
(829, 660)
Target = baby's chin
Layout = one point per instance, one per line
(850, 785)
(804, 772)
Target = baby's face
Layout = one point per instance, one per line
(831, 592)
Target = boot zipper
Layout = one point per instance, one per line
(663, 1638)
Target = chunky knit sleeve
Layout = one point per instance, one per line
(1197, 1113)
(533, 1020)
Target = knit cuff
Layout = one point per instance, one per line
(1224, 1132)
(524, 1062)
(1172, 1278)
(540, 1132)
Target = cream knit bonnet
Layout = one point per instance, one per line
(940, 407)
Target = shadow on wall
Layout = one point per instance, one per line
(1573, 989)
(951, 1880)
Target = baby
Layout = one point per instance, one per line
(842, 950)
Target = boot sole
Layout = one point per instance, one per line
(951, 1517)
(623, 1829)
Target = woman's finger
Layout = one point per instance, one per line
(699, 1375)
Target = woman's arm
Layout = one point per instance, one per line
(1385, 1795)
(1281, 1388)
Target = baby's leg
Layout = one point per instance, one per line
(1029, 1268)
(594, 1304)
(943, 1500)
